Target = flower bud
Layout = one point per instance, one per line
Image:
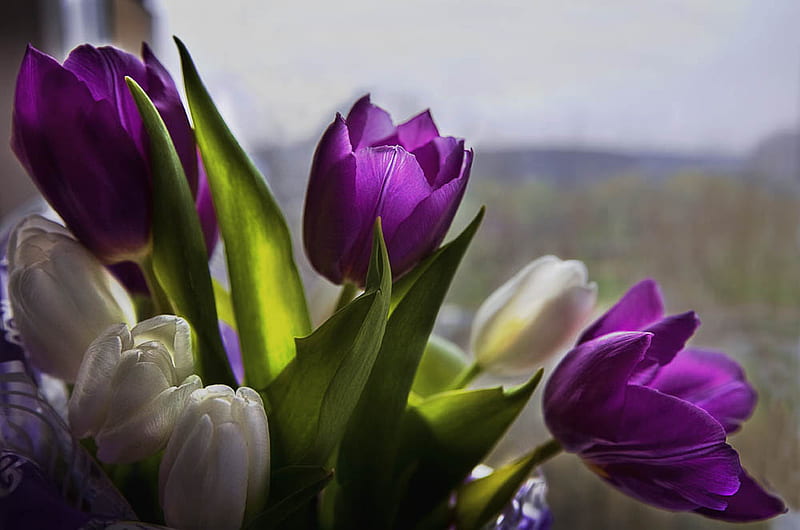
(132, 386)
(532, 316)
(215, 469)
(61, 296)
(365, 167)
(78, 133)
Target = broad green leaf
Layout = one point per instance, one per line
(481, 500)
(447, 435)
(291, 490)
(267, 293)
(441, 363)
(312, 400)
(371, 440)
(179, 256)
(224, 304)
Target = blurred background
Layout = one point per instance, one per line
(651, 139)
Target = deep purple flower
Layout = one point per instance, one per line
(651, 417)
(78, 133)
(365, 167)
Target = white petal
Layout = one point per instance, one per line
(89, 402)
(147, 431)
(248, 412)
(175, 333)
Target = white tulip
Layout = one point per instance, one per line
(532, 316)
(215, 470)
(61, 296)
(132, 386)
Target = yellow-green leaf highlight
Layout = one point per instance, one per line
(267, 293)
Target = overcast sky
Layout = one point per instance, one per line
(685, 75)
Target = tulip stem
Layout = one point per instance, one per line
(349, 291)
(546, 451)
(466, 376)
(161, 303)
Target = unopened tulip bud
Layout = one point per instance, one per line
(215, 470)
(61, 296)
(132, 386)
(366, 167)
(77, 132)
(532, 316)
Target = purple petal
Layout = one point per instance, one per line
(750, 503)
(103, 70)
(671, 445)
(368, 124)
(669, 337)
(205, 210)
(389, 184)
(161, 89)
(639, 307)
(712, 381)
(230, 339)
(423, 231)
(587, 390)
(57, 128)
(331, 220)
(416, 132)
(441, 160)
(131, 277)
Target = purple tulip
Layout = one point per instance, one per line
(651, 417)
(78, 133)
(365, 167)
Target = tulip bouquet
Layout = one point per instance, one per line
(135, 385)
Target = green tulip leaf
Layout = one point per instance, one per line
(371, 440)
(481, 500)
(441, 363)
(179, 256)
(292, 488)
(268, 297)
(312, 400)
(446, 436)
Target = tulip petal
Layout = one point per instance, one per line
(416, 132)
(368, 124)
(750, 503)
(390, 184)
(174, 333)
(88, 404)
(331, 222)
(587, 390)
(639, 307)
(205, 210)
(248, 409)
(144, 431)
(441, 160)
(669, 337)
(57, 126)
(425, 228)
(161, 90)
(712, 381)
(666, 449)
(103, 71)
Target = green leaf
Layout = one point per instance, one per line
(481, 500)
(447, 435)
(312, 400)
(441, 363)
(292, 488)
(224, 304)
(267, 293)
(179, 256)
(371, 440)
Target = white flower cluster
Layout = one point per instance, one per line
(135, 390)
